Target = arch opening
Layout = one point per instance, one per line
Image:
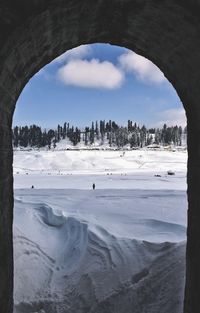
(47, 212)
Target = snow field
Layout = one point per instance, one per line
(98, 162)
(119, 248)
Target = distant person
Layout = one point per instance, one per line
(32, 187)
(93, 186)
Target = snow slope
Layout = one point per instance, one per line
(109, 250)
(91, 162)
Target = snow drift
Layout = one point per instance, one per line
(66, 261)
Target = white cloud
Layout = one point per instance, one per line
(75, 53)
(91, 74)
(172, 117)
(144, 69)
(78, 71)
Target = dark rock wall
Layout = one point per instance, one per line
(6, 214)
(34, 32)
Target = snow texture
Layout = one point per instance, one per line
(109, 250)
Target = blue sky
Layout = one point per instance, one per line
(99, 81)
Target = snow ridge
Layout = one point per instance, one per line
(83, 265)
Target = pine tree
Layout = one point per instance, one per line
(133, 140)
(97, 130)
(64, 130)
(86, 135)
(34, 136)
(92, 134)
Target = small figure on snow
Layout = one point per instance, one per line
(93, 186)
(32, 187)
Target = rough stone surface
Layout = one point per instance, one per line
(34, 32)
(6, 214)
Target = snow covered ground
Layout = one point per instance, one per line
(119, 248)
(110, 169)
(98, 162)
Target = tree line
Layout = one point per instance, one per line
(102, 132)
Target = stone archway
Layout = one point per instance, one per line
(35, 32)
